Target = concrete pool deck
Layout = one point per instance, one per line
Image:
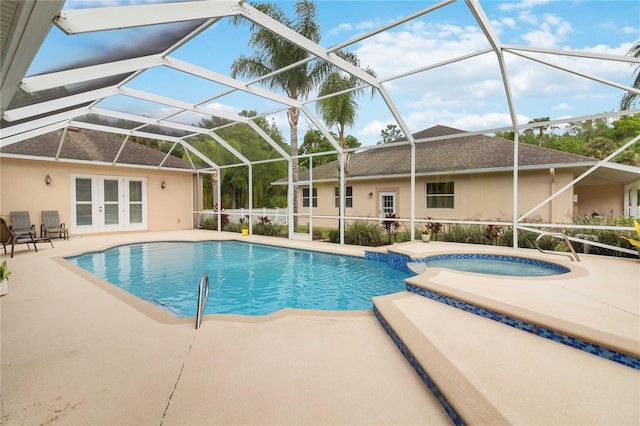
(78, 353)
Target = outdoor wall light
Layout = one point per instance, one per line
(47, 179)
(371, 195)
(163, 185)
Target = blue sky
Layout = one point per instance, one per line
(468, 95)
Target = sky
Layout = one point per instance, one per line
(468, 95)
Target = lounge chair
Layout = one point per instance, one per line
(21, 223)
(51, 225)
(11, 237)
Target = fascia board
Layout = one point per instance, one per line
(95, 163)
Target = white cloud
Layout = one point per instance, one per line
(562, 106)
(341, 28)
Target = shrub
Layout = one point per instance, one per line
(209, 223)
(233, 227)
(334, 235)
(268, 229)
(363, 234)
(390, 225)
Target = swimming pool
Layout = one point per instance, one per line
(494, 264)
(244, 278)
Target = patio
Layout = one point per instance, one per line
(78, 353)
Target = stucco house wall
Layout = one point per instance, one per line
(601, 199)
(477, 197)
(23, 187)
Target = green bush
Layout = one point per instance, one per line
(209, 223)
(233, 227)
(268, 229)
(334, 235)
(363, 234)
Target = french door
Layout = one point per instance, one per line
(108, 203)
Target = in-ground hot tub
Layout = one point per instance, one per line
(491, 264)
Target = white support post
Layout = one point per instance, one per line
(341, 193)
(290, 190)
(413, 192)
(250, 199)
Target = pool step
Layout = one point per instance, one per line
(485, 372)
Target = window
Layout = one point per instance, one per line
(348, 200)
(305, 197)
(439, 195)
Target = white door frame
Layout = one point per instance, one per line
(382, 209)
(125, 206)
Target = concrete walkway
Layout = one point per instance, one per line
(75, 354)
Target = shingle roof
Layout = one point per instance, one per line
(91, 145)
(456, 154)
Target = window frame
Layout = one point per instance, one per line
(348, 197)
(438, 197)
(305, 199)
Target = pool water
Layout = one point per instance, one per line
(495, 265)
(244, 278)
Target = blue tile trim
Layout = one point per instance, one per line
(451, 412)
(395, 260)
(574, 342)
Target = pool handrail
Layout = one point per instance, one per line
(562, 237)
(204, 284)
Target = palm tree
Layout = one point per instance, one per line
(341, 110)
(273, 52)
(629, 98)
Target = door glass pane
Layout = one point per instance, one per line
(135, 201)
(83, 214)
(111, 214)
(83, 202)
(135, 191)
(111, 210)
(110, 190)
(83, 189)
(388, 204)
(135, 213)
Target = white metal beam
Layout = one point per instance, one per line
(92, 72)
(77, 21)
(17, 129)
(109, 129)
(270, 141)
(179, 104)
(32, 133)
(29, 26)
(287, 33)
(230, 82)
(57, 104)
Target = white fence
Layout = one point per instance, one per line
(277, 215)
